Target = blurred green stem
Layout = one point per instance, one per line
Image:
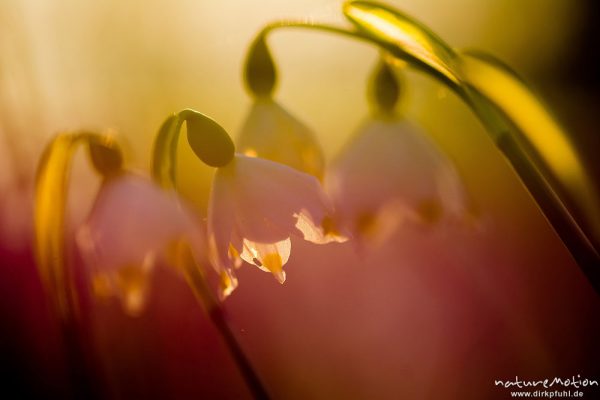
(196, 278)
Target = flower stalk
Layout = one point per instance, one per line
(196, 278)
(212, 145)
(52, 184)
(519, 124)
(260, 70)
(208, 139)
(56, 272)
(385, 89)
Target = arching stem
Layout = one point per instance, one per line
(521, 127)
(56, 271)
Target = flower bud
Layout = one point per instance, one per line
(260, 74)
(106, 157)
(209, 141)
(385, 88)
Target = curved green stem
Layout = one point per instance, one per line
(524, 131)
(312, 26)
(440, 71)
(196, 278)
(209, 141)
(56, 272)
(164, 157)
(260, 72)
(51, 193)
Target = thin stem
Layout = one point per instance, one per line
(164, 163)
(51, 190)
(439, 71)
(313, 26)
(197, 281)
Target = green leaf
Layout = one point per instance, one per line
(523, 129)
(404, 37)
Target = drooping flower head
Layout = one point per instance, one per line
(255, 204)
(391, 173)
(269, 131)
(273, 133)
(133, 223)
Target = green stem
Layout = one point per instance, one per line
(197, 281)
(56, 272)
(442, 74)
(554, 175)
(312, 26)
(522, 128)
(164, 163)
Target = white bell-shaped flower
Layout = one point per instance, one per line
(133, 222)
(390, 174)
(255, 206)
(271, 132)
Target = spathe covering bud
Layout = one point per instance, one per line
(209, 141)
(106, 158)
(260, 73)
(271, 132)
(385, 89)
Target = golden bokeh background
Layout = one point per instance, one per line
(126, 66)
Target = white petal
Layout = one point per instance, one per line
(268, 196)
(255, 206)
(452, 192)
(270, 257)
(228, 283)
(271, 132)
(131, 217)
(317, 234)
(221, 222)
(392, 164)
(132, 221)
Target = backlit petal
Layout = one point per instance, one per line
(325, 233)
(256, 205)
(268, 196)
(131, 223)
(270, 257)
(273, 133)
(391, 171)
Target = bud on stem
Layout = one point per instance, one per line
(385, 89)
(260, 73)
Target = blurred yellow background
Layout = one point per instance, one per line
(126, 65)
(71, 64)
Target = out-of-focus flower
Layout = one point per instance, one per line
(273, 133)
(270, 131)
(389, 174)
(255, 206)
(132, 223)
